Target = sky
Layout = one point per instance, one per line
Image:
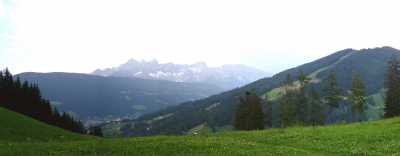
(83, 35)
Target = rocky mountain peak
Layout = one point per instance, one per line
(225, 76)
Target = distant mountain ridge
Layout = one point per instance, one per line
(225, 76)
(107, 98)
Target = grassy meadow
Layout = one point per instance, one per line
(24, 136)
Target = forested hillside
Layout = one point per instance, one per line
(218, 110)
(370, 63)
(26, 99)
(97, 98)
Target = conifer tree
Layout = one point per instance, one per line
(249, 115)
(317, 116)
(357, 95)
(301, 107)
(392, 86)
(95, 130)
(7, 89)
(98, 131)
(17, 94)
(240, 116)
(56, 117)
(331, 91)
(47, 114)
(285, 102)
(268, 112)
(279, 111)
(24, 97)
(256, 113)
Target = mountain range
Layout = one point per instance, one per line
(217, 111)
(225, 76)
(94, 98)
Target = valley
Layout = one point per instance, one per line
(97, 99)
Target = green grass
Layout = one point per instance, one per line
(200, 129)
(313, 75)
(373, 112)
(201, 94)
(211, 106)
(24, 136)
(378, 98)
(55, 103)
(274, 93)
(17, 127)
(205, 129)
(364, 138)
(114, 128)
(74, 114)
(167, 115)
(226, 128)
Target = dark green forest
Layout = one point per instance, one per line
(370, 63)
(249, 113)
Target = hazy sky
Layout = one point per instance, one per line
(83, 35)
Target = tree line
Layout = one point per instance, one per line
(26, 99)
(392, 86)
(297, 106)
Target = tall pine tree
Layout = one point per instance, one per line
(301, 108)
(249, 115)
(317, 116)
(331, 91)
(357, 95)
(392, 86)
(268, 112)
(7, 90)
(284, 107)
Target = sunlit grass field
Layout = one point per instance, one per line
(365, 138)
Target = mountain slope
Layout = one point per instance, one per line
(226, 76)
(17, 127)
(371, 63)
(106, 98)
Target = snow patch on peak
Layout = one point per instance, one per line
(138, 73)
(226, 76)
